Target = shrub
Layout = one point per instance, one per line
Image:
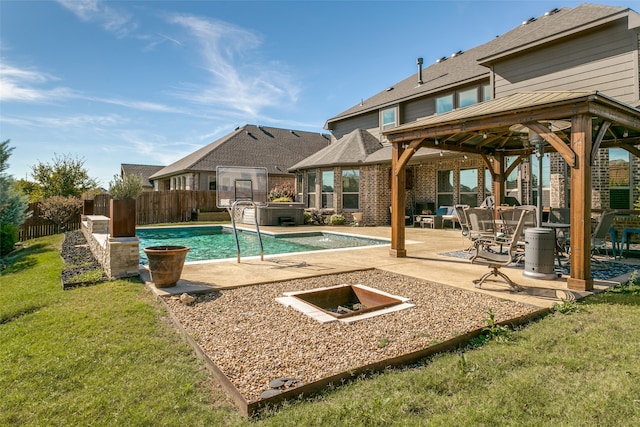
(336, 219)
(282, 200)
(8, 238)
(307, 217)
(127, 187)
(60, 210)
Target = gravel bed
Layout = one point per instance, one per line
(254, 339)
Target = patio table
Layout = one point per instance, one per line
(626, 234)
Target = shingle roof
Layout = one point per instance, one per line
(355, 148)
(145, 171)
(273, 148)
(466, 67)
(351, 148)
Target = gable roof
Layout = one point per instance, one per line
(144, 171)
(355, 148)
(273, 148)
(352, 148)
(470, 66)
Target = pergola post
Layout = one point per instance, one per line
(398, 195)
(581, 141)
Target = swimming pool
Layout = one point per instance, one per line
(218, 242)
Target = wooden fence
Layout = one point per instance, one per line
(152, 207)
(36, 226)
(155, 207)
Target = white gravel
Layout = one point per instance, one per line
(254, 339)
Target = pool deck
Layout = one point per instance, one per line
(424, 260)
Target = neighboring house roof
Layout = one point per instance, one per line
(467, 67)
(273, 148)
(145, 171)
(358, 147)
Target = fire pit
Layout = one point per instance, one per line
(345, 303)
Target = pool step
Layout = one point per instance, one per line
(286, 221)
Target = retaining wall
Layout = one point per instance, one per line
(119, 256)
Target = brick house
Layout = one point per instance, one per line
(587, 48)
(249, 146)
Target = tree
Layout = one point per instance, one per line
(66, 176)
(29, 188)
(13, 203)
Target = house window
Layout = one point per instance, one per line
(327, 189)
(546, 179)
(469, 187)
(212, 183)
(350, 189)
(468, 97)
(445, 188)
(299, 186)
(311, 190)
(486, 92)
(488, 183)
(389, 118)
(619, 179)
(444, 104)
(511, 186)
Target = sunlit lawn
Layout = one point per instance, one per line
(107, 355)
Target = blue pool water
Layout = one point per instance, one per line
(217, 242)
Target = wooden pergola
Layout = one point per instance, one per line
(574, 124)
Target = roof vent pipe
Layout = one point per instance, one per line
(419, 62)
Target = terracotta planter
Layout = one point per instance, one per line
(165, 264)
(122, 214)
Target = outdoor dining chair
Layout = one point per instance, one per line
(480, 224)
(486, 254)
(599, 235)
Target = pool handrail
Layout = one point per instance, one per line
(255, 219)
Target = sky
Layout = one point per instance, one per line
(148, 82)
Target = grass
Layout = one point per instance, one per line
(106, 355)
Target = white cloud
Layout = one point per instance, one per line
(66, 122)
(111, 19)
(19, 85)
(239, 79)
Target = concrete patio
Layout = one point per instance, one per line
(425, 260)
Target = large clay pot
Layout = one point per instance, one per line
(122, 215)
(165, 264)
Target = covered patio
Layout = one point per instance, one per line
(573, 124)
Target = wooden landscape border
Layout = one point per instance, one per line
(248, 409)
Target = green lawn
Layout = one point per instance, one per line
(107, 355)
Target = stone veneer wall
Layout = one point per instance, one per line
(119, 256)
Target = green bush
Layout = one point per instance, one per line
(8, 238)
(336, 219)
(283, 200)
(307, 217)
(126, 187)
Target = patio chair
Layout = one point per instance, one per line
(462, 218)
(480, 223)
(599, 235)
(486, 255)
(560, 215)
